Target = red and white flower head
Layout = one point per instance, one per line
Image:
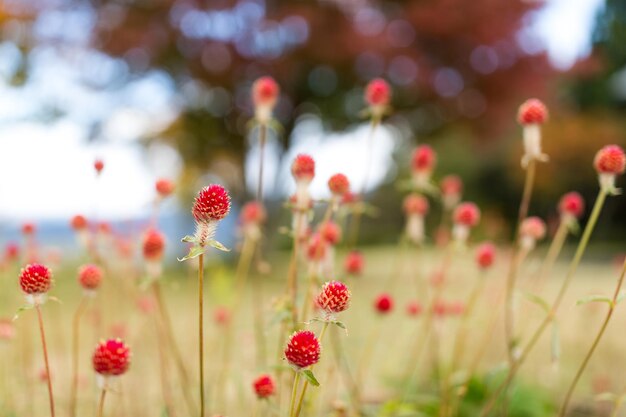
(334, 297)
(78, 222)
(609, 162)
(531, 230)
(354, 262)
(316, 250)
(531, 114)
(303, 349)
(153, 245)
(415, 204)
(7, 330)
(164, 187)
(265, 92)
(571, 206)
(264, 386)
(36, 279)
(212, 204)
(378, 96)
(89, 277)
(451, 191)
(98, 165)
(331, 232)
(485, 254)
(253, 212)
(303, 168)
(111, 358)
(465, 216)
(423, 164)
(339, 185)
(383, 303)
(415, 207)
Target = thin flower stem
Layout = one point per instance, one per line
(528, 190)
(164, 374)
(580, 250)
(45, 357)
(294, 393)
(101, 402)
(306, 383)
(201, 329)
(262, 140)
(595, 343)
(75, 347)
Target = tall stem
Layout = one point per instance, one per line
(101, 402)
(583, 365)
(580, 250)
(294, 393)
(75, 346)
(45, 357)
(262, 140)
(201, 329)
(528, 190)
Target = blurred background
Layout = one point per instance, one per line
(161, 88)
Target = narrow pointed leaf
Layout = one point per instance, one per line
(189, 239)
(537, 300)
(218, 245)
(308, 374)
(193, 253)
(593, 299)
(21, 310)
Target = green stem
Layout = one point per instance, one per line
(294, 392)
(201, 329)
(75, 346)
(101, 402)
(580, 250)
(582, 367)
(45, 357)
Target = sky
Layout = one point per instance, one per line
(46, 169)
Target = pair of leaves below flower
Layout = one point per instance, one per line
(198, 250)
(602, 299)
(337, 323)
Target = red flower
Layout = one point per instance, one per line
(303, 349)
(610, 160)
(334, 297)
(424, 159)
(303, 167)
(317, 248)
(339, 184)
(354, 263)
(212, 204)
(264, 386)
(485, 254)
(451, 185)
(383, 303)
(164, 187)
(533, 227)
(153, 245)
(467, 214)
(36, 279)
(414, 308)
(253, 212)
(377, 93)
(331, 232)
(98, 165)
(416, 204)
(221, 315)
(573, 204)
(11, 251)
(104, 228)
(89, 276)
(28, 229)
(265, 92)
(111, 357)
(532, 111)
(78, 222)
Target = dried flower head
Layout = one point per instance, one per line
(303, 349)
(212, 204)
(36, 279)
(264, 386)
(485, 254)
(89, 277)
(532, 111)
(334, 297)
(111, 357)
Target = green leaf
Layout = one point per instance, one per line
(594, 298)
(21, 310)
(189, 239)
(555, 345)
(194, 252)
(339, 324)
(308, 374)
(537, 300)
(217, 245)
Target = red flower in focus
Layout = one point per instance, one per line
(212, 204)
(485, 254)
(111, 357)
(339, 185)
(572, 204)
(303, 349)
(153, 245)
(414, 308)
(331, 232)
(377, 93)
(265, 92)
(383, 303)
(334, 297)
(98, 165)
(354, 263)
(416, 204)
(303, 168)
(264, 386)
(451, 185)
(467, 214)
(253, 212)
(533, 227)
(89, 277)
(164, 187)
(424, 159)
(78, 222)
(28, 229)
(610, 160)
(532, 111)
(36, 279)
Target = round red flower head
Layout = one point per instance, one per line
(415, 204)
(316, 250)
(36, 279)
(253, 212)
(532, 111)
(334, 297)
(424, 159)
(78, 222)
(265, 92)
(572, 205)
(303, 168)
(383, 303)
(164, 187)
(467, 214)
(303, 349)
(28, 229)
(451, 190)
(153, 245)
(414, 308)
(485, 254)
(212, 204)
(111, 357)
(11, 252)
(264, 386)
(331, 232)
(531, 230)
(98, 165)
(377, 96)
(221, 315)
(89, 277)
(339, 185)
(609, 162)
(354, 263)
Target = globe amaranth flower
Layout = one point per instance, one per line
(609, 162)
(531, 115)
(303, 349)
